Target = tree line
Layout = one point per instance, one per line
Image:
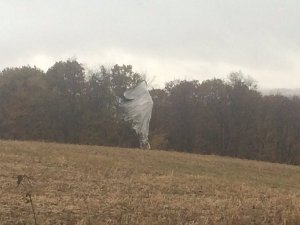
(72, 105)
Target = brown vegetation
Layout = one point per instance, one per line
(74, 184)
(68, 104)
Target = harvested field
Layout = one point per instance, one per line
(74, 184)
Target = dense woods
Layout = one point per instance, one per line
(226, 117)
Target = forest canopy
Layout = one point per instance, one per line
(225, 117)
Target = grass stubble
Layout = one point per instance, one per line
(76, 184)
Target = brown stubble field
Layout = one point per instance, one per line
(73, 184)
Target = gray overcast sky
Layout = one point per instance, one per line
(166, 39)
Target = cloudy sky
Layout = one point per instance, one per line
(166, 39)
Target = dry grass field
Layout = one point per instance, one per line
(73, 184)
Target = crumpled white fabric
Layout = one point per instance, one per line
(138, 106)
